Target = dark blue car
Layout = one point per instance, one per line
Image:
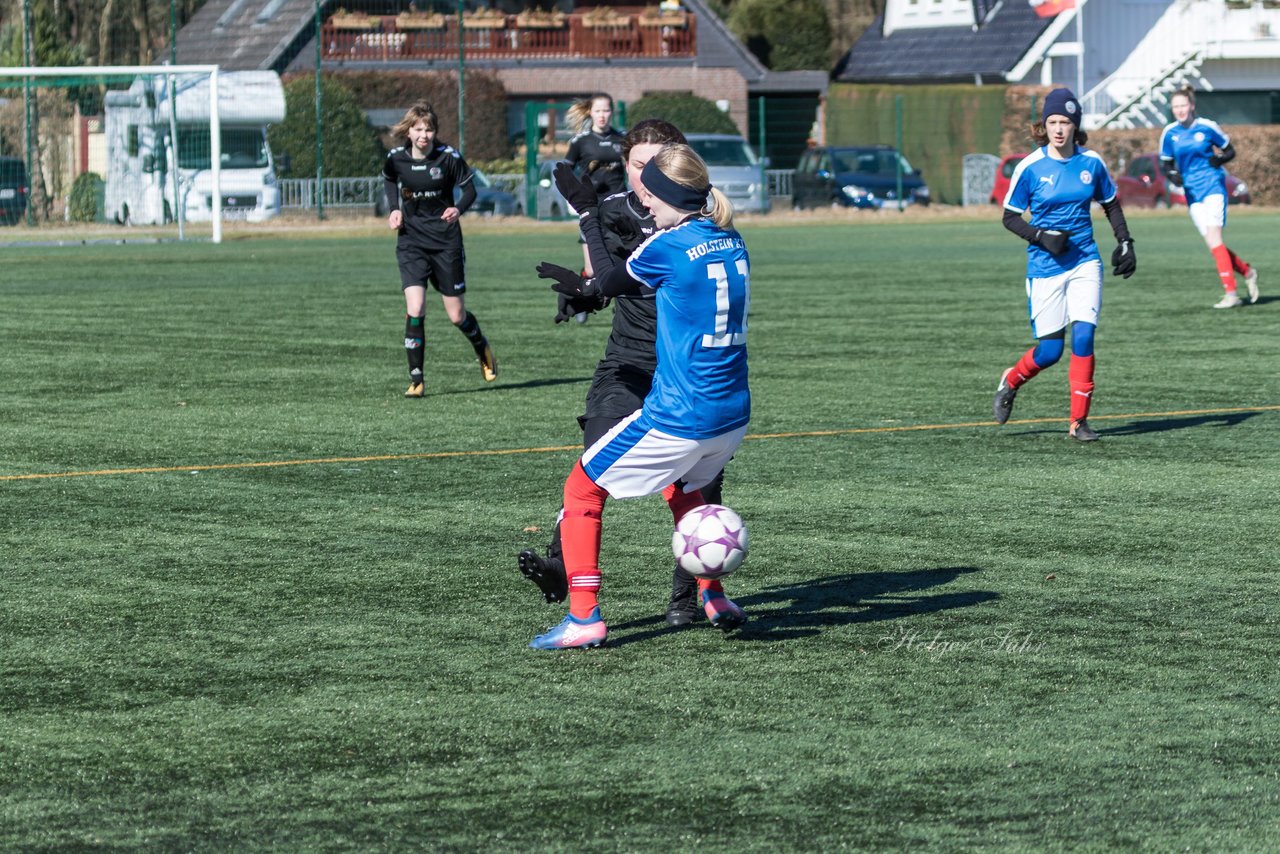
(856, 176)
(13, 190)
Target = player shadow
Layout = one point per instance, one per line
(499, 384)
(1160, 425)
(1135, 428)
(1262, 300)
(803, 610)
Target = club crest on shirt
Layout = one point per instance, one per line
(1086, 177)
(435, 173)
(1199, 137)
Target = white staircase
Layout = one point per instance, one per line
(1148, 106)
(1174, 51)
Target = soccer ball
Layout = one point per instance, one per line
(710, 541)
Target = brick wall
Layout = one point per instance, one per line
(630, 84)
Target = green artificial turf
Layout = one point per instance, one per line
(961, 636)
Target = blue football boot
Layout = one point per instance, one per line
(573, 633)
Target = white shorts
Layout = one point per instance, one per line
(1055, 301)
(1209, 212)
(635, 459)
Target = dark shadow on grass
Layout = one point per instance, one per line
(1158, 426)
(499, 384)
(1263, 300)
(1155, 425)
(804, 610)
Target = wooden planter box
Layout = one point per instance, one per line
(481, 21)
(541, 21)
(605, 18)
(346, 21)
(667, 19)
(407, 21)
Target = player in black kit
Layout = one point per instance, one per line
(624, 375)
(420, 180)
(597, 151)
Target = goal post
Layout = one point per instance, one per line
(172, 145)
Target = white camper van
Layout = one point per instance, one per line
(142, 160)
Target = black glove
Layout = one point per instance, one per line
(566, 281)
(579, 192)
(1174, 176)
(1123, 261)
(568, 307)
(1054, 241)
(1215, 161)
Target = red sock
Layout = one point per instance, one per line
(1080, 378)
(1222, 258)
(712, 584)
(682, 502)
(1025, 369)
(580, 540)
(1238, 264)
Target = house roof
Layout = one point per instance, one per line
(277, 34)
(247, 34)
(944, 54)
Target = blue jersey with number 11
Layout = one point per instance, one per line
(702, 277)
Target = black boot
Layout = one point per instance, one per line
(683, 609)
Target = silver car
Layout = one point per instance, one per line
(735, 170)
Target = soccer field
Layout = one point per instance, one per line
(254, 598)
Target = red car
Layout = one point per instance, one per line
(1003, 173)
(1143, 185)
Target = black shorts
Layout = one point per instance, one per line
(444, 269)
(617, 390)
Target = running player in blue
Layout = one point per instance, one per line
(696, 412)
(1058, 182)
(1192, 151)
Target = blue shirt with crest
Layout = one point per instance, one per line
(702, 278)
(1059, 194)
(1190, 149)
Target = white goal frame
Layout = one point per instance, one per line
(130, 72)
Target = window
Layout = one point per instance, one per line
(242, 148)
(724, 152)
(131, 140)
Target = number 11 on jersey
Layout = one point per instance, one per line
(725, 307)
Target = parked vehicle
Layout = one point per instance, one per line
(735, 170)
(491, 201)
(142, 157)
(1143, 185)
(1004, 173)
(551, 204)
(14, 190)
(861, 176)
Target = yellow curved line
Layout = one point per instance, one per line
(500, 452)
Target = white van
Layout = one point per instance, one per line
(142, 161)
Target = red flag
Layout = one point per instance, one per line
(1049, 8)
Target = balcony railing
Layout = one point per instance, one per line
(390, 38)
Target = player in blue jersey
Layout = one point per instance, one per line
(625, 374)
(696, 411)
(1192, 151)
(1057, 183)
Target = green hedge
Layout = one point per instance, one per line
(690, 113)
(940, 125)
(85, 198)
(486, 104)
